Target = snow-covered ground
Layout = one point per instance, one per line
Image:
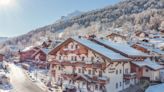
(156, 88)
(21, 82)
(40, 78)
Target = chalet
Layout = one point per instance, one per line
(1, 57)
(40, 57)
(147, 69)
(26, 54)
(35, 55)
(124, 49)
(137, 58)
(85, 65)
(99, 65)
(116, 37)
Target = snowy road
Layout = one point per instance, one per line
(20, 82)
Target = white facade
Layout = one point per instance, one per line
(154, 75)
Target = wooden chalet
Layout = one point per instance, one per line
(40, 57)
(89, 66)
(26, 54)
(99, 65)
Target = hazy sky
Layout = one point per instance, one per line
(20, 16)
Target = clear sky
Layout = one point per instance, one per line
(21, 16)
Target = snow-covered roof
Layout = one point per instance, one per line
(158, 51)
(124, 48)
(158, 42)
(148, 63)
(27, 48)
(100, 49)
(151, 48)
(155, 88)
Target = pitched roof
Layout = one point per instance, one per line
(148, 63)
(123, 48)
(101, 50)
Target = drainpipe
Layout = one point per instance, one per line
(123, 77)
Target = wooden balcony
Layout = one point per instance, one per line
(79, 64)
(129, 76)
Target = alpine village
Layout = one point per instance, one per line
(118, 48)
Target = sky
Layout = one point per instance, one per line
(18, 17)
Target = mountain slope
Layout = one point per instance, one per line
(128, 16)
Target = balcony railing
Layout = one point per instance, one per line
(129, 76)
(79, 63)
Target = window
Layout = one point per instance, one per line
(116, 85)
(93, 72)
(82, 70)
(89, 71)
(69, 81)
(71, 46)
(120, 84)
(120, 71)
(84, 83)
(76, 46)
(147, 70)
(75, 58)
(73, 71)
(96, 87)
(73, 82)
(59, 68)
(72, 58)
(83, 58)
(79, 70)
(92, 58)
(116, 71)
(101, 87)
(59, 57)
(126, 71)
(100, 73)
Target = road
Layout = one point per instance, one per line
(20, 82)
